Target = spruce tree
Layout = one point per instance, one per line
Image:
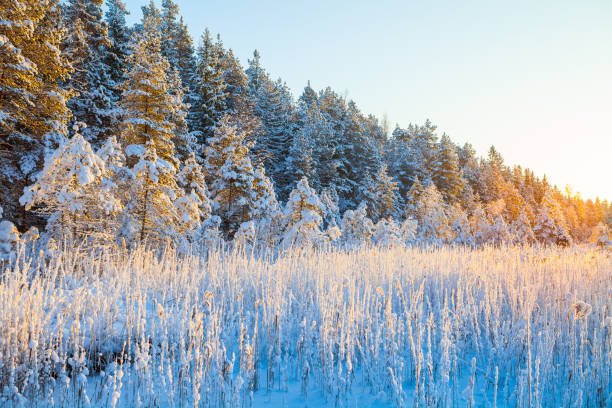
(210, 91)
(239, 104)
(256, 73)
(85, 47)
(273, 107)
(117, 52)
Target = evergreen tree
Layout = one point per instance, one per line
(239, 104)
(192, 180)
(520, 231)
(184, 141)
(256, 73)
(210, 91)
(447, 174)
(274, 109)
(149, 121)
(33, 112)
(177, 44)
(231, 173)
(151, 214)
(331, 211)
(85, 47)
(383, 196)
(9, 237)
(412, 198)
(117, 52)
(302, 217)
(70, 190)
(549, 226)
(265, 211)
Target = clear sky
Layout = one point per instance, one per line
(533, 78)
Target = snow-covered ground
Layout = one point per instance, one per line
(367, 327)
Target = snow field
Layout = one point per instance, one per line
(367, 327)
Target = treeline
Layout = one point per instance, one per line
(111, 133)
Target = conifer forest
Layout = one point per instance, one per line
(179, 228)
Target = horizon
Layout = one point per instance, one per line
(520, 81)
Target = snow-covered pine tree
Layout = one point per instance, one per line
(209, 89)
(302, 217)
(550, 226)
(33, 112)
(412, 199)
(147, 131)
(447, 174)
(361, 149)
(151, 215)
(185, 141)
(383, 196)
(311, 142)
(547, 231)
(356, 227)
(118, 178)
(273, 107)
(239, 104)
(601, 236)
(70, 191)
(192, 180)
(177, 45)
(331, 211)
(230, 171)
(411, 153)
(256, 73)
(300, 158)
(85, 47)
(117, 52)
(265, 213)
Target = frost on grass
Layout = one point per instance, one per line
(384, 326)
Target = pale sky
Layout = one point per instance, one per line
(533, 78)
